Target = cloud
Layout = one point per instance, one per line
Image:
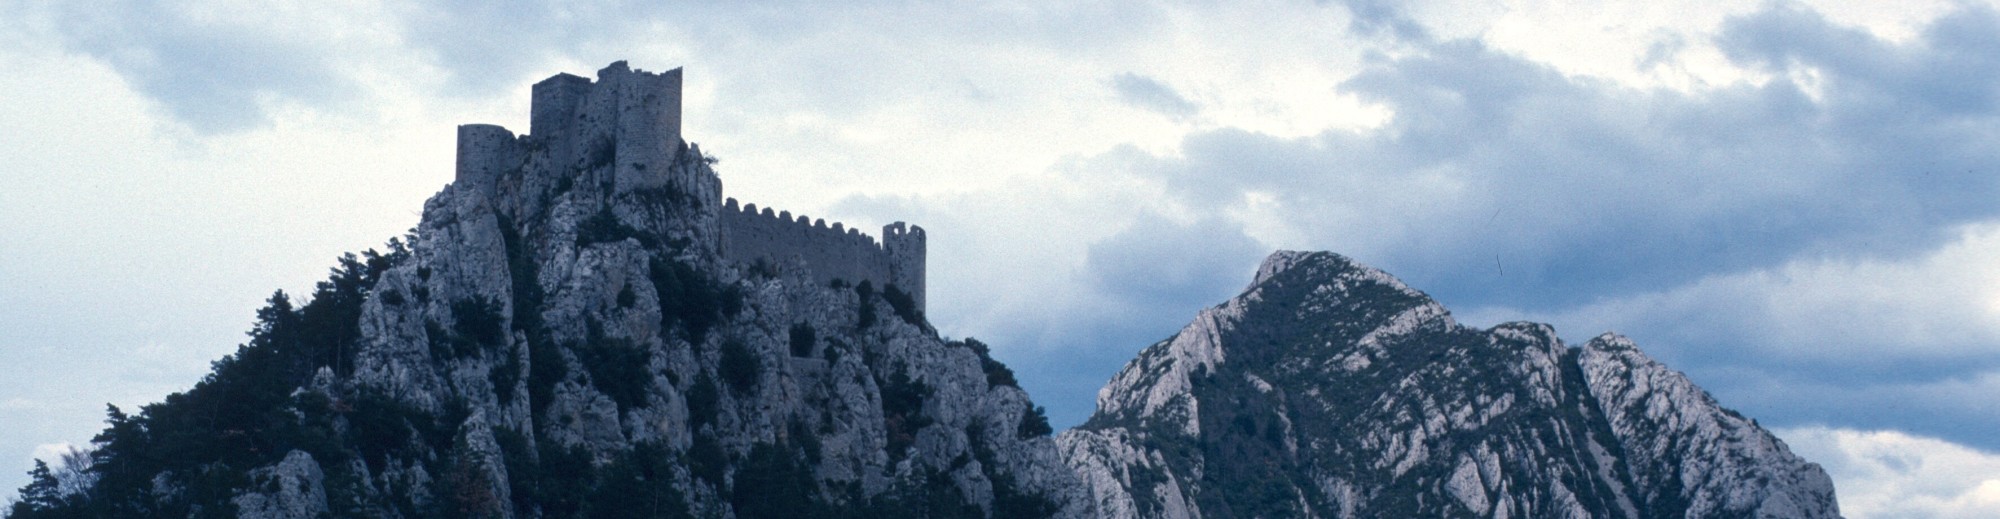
(1148, 93)
(1382, 18)
(1140, 285)
(1580, 188)
(52, 453)
(214, 68)
(1911, 343)
(1886, 473)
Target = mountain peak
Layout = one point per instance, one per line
(1346, 393)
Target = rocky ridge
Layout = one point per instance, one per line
(1331, 389)
(566, 334)
(561, 336)
(626, 330)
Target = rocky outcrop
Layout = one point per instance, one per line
(1686, 451)
(1331, 389)
(563, 323)
(570, 332)
(292, 489)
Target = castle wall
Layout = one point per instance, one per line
(554, 104)
(627, 121)
(905, 249)
(750, 234)
(485, 152)
(625, 128)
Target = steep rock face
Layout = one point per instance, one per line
(620, 330)
(1331, 389)
(561, 337)
(1688, 452)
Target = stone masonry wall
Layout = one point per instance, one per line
(627, 124)
(750, 234)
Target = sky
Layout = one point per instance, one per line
(1792, 202)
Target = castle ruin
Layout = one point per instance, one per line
(630, 121)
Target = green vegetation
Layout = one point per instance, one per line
(997, 374)
(904, 306)
(690, 300)
(604, 227)
(803, 338)
(42, 497)
(703, 402)
(476, 325)
(1034, 422)
(774, 482)
(626, 298)
(635, 485)
(739, 366)
(250, 413)
(866, 292)
(617, 367)
(245, 414)
(903, 410)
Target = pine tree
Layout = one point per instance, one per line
(41, 497)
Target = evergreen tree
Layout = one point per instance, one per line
(42, 497)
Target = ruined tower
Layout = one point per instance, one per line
(624, 130)
(905, 249)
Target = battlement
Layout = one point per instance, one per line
(624, 130)
(750, 234)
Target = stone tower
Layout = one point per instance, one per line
(905, 247)
(623, 131)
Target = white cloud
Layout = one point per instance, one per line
(1909, 342)
(1892, 474)
(52, 453)
(1940, 304)
(167, 169)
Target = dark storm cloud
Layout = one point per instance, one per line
(1501, 182)
(1581, 189)
(1146, 282)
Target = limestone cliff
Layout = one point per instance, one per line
(1330, 389)
(627, 330)
(583, 326)
(563, 335)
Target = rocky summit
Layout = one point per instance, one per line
(1331, 389)
(582, 325)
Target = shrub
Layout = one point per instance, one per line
(617, 367)
(866, 291)
(739, 366)
(1034, 422)
(903, 410)
(626, 298)
(997, 374)
(605, 227)
(479, 319)
(803, 339)
(690, 300)
(634, 485)
(773, 482)
(703, 402)
(904, 306)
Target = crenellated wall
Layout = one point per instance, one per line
(625, 126)
(750, 233)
